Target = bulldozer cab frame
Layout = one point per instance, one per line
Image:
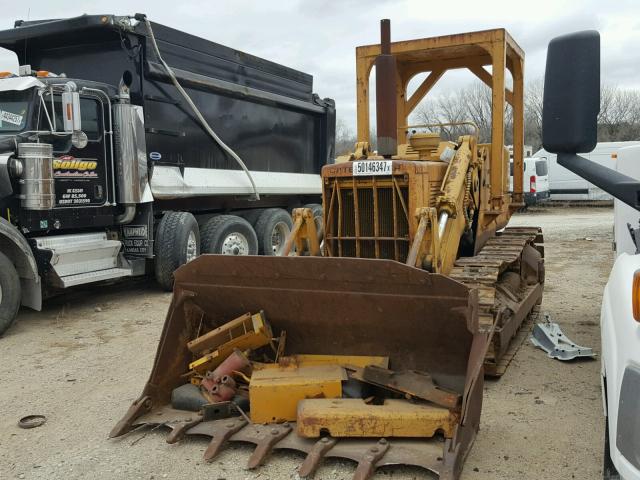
(472, 51)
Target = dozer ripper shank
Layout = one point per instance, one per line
(415, 267)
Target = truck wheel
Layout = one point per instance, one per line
(177, 242)
(317, 216)
(10, 293)
(272, 228)
(229, 235)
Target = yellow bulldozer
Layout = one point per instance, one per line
(376, 329)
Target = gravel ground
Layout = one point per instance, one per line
(86, 357)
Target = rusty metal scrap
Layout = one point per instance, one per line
(330, 294)
(32, 421)
(410, 382)
(219, 410)
(218, 389)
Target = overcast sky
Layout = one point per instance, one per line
(320, 37)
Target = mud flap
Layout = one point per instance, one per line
(337, 306)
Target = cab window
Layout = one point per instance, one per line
(90, 114)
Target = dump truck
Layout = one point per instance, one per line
(128, 148)
(414, 293)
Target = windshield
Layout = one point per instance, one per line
(541, 168)
(14, 107)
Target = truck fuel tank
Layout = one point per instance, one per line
(37, 191)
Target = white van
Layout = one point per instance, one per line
(535, 181)
(566, 185)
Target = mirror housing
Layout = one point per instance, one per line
(71, 109)
(572, 93)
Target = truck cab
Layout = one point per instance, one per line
(62, 193)
(78, 190)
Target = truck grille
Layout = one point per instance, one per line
(367, 218)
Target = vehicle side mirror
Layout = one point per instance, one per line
(71, 111)
(572, 93)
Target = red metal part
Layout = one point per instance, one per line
(236, 362)
(218, 389)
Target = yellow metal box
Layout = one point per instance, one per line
(274, 392)
(352, 417)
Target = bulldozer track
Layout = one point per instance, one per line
(482, 272)
(516, 342)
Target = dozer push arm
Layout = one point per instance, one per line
(441, 227)
(453, 186)
(304, 235)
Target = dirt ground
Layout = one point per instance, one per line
(86, 357)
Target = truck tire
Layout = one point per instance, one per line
(10, 293)
(177, 242)
(317, 216)
(272, 228)
(229, 235)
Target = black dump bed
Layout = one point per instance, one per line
(265, 111)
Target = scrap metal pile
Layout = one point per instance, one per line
(393, 388)
(239, 370)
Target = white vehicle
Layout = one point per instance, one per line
(570, 113)
(628, 164)
(535, 181)
(566, 185)
(620, 331)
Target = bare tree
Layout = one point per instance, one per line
(345, 138)
(533, 95)
(619, 114)
(470, 104)
(619, 118)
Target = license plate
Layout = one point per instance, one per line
(372, 167)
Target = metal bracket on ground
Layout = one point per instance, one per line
(551, 339)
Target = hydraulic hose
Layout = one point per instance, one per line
(203, 122)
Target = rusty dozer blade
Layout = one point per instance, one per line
(330, 306)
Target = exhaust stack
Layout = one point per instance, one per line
(386, 106)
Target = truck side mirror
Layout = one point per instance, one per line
(572, 93)
(71, 111)
(570, 113)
